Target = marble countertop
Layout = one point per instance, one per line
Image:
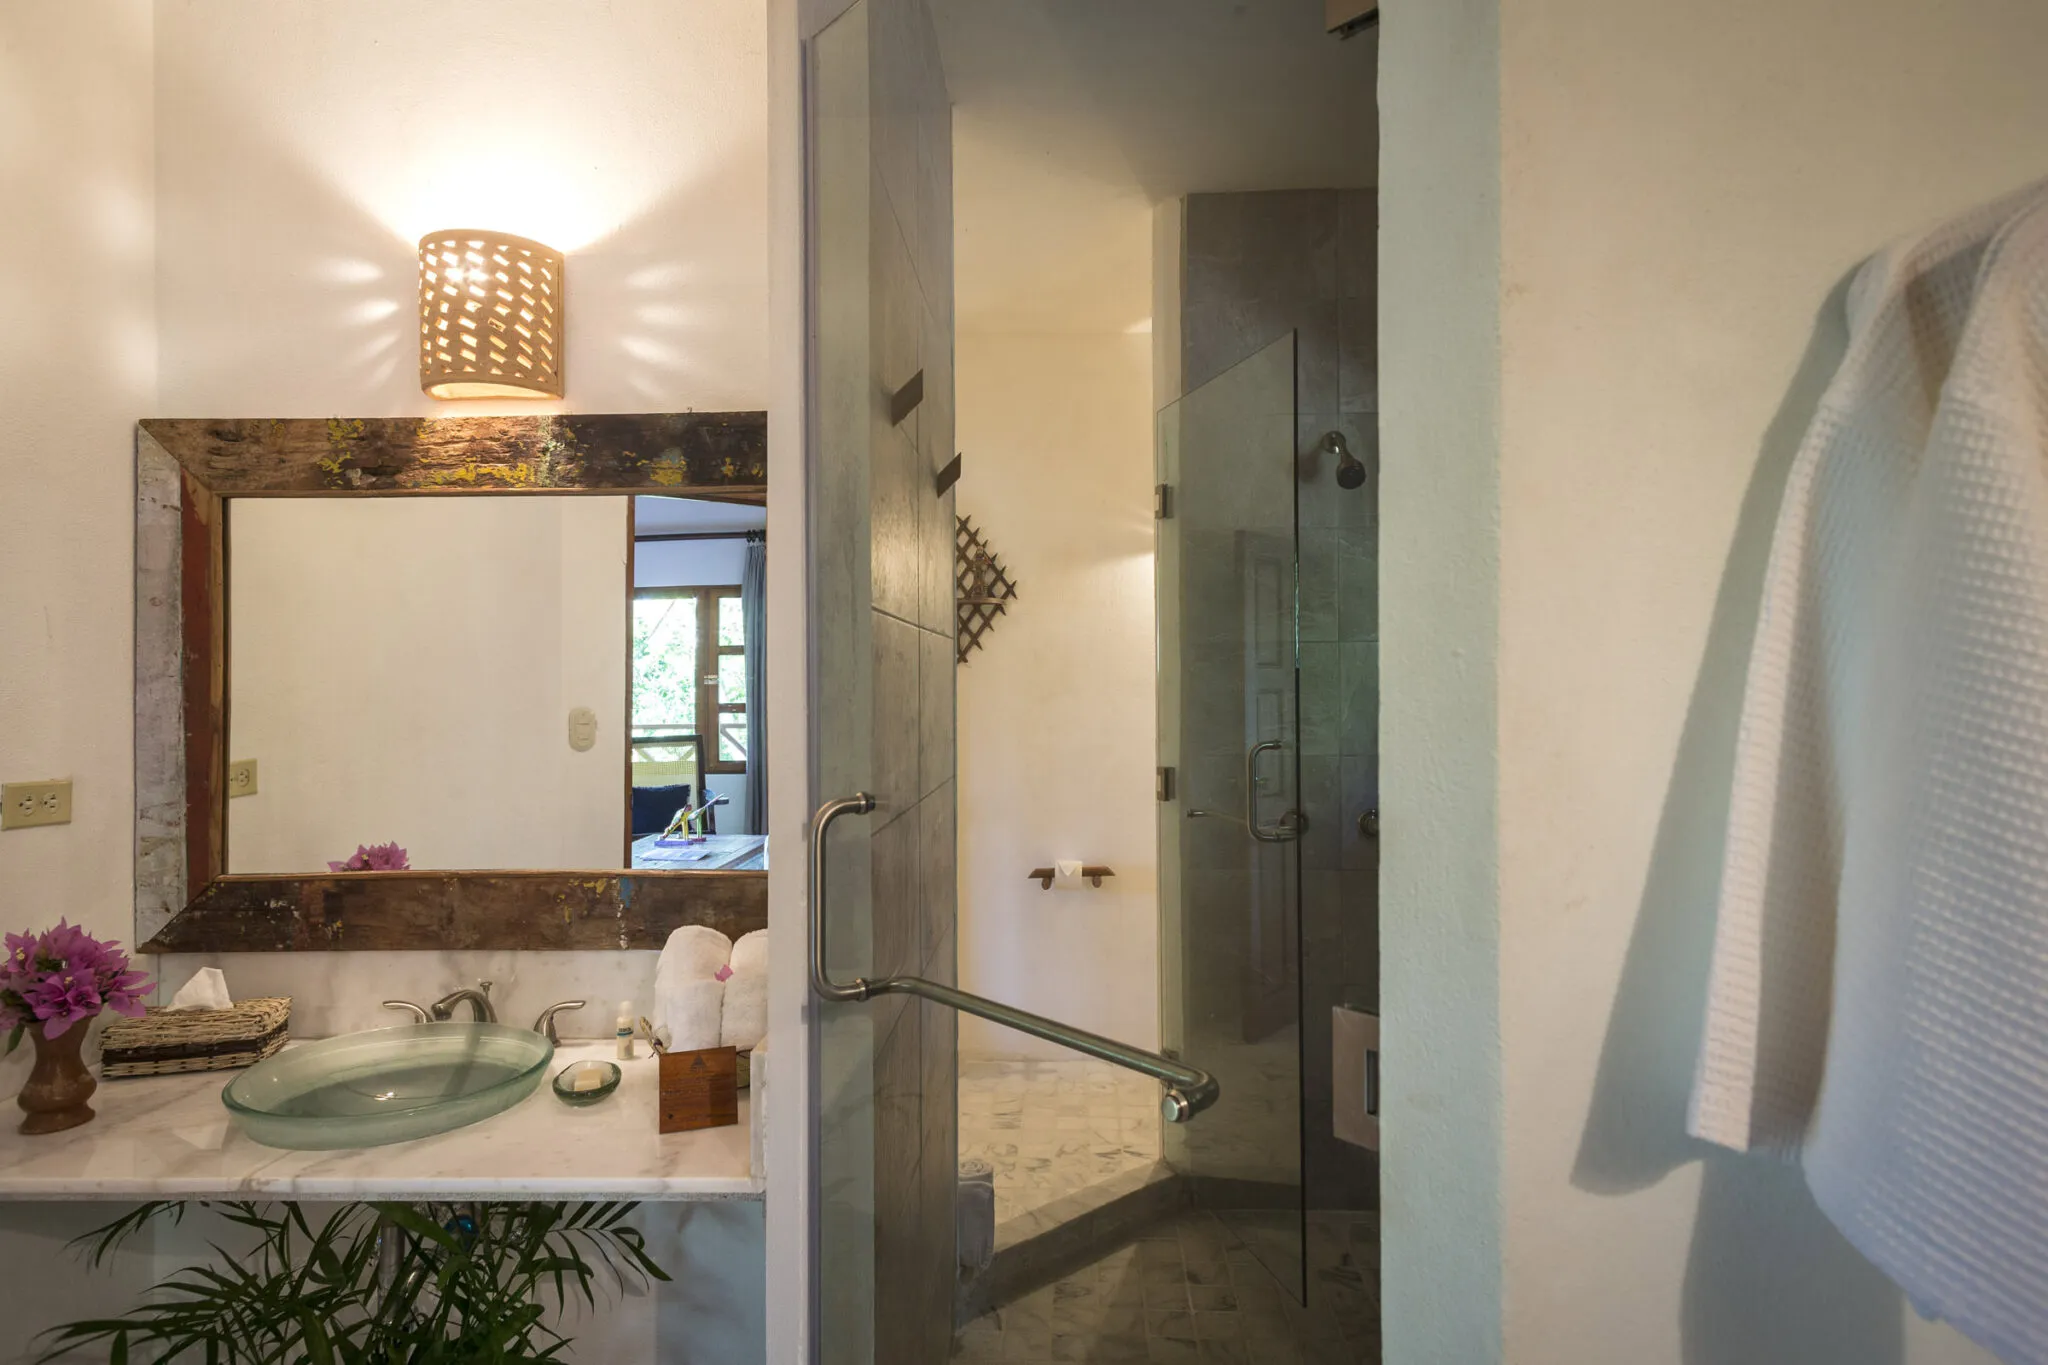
(166, 1137)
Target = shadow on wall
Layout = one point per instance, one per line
(1768, 1279)
(646, 316)
(312, 299)
(313, 306)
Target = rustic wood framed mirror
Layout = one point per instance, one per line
(190, 476)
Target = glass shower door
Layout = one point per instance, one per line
(1231, 825)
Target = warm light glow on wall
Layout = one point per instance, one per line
(490, 316)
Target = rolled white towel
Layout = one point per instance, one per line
(746, 1010)
(692, 953)
(689, 996)
(691, 1012)
(750, 954)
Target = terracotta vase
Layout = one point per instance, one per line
(59, 1085)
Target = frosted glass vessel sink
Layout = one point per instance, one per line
(387, 1085)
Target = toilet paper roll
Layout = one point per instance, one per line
(1066, 876)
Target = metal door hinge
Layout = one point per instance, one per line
(1162, 502)
(1163, 788)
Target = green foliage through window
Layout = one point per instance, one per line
(665, 662)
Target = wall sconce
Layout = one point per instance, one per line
(490, 316)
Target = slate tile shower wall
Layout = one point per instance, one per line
(1256, 265)
(912, 858)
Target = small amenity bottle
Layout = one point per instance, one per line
(625, 1030)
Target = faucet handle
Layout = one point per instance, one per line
(420, 1015)
(545, 1024)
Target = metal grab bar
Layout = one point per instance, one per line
(1189, 1090)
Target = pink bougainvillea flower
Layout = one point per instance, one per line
(63, 1000)
(374, 858)
(21, 954)
(62, 977)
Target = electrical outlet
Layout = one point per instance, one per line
(25, 804)
(242, 778)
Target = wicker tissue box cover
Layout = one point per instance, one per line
(166, 1042)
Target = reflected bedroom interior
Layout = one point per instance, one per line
(496, 683)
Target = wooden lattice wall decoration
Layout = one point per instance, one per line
(982, 589)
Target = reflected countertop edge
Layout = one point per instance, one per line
(168, 1137)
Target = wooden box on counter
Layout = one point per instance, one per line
(699, 1089)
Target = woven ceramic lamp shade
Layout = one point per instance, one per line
(490, 316)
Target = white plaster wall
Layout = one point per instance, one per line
(1679, 202)
(1056, 745)
(1439, 280)
(404, 668)
(77, 366)
(304, 147)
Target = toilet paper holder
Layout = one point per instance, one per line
(1044, 875)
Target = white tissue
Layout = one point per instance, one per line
(207, 990)
(1066, 876)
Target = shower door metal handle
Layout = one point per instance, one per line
(860, 803)
(1292, 824)
(1189, 1090)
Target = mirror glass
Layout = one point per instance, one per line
(490, 682)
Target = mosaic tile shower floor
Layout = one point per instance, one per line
(1051, 1128)
(1193, 1290)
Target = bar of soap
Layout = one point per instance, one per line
(588, 1080)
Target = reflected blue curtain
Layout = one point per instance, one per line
(754, 607)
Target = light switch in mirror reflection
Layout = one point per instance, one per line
(405, 667)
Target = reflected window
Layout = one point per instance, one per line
(690, 670)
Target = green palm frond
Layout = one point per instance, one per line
(374, 1284)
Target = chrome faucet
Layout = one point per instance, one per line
(545, 1025)
(479, 998)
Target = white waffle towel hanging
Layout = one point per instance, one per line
(1878, 1000)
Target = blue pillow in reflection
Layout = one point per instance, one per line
(654, 807)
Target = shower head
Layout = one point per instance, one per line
(1350, 469)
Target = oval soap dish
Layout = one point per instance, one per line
(586, 1082)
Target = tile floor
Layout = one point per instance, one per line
(1192, 1290)
(1050, 1128)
